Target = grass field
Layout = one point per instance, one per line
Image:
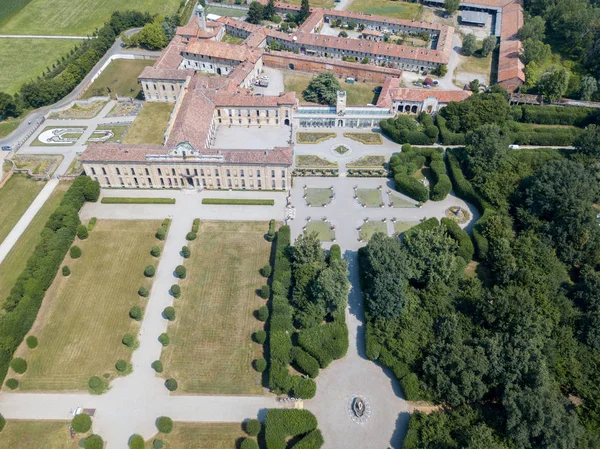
(231, 39)
(37, 435)
(118, 132)
(369, 197)
(22, 60)
(67, 17)
(85, 315)
(318, 197)
(150, 125)
(371, 227)
(8, 126)
(211, 350)
(121, 77)
(403, 226)
(388, 8)
(228, 12)
(201, 436)
(15, 197)
(358, 94)
(323, 230)
(16, 260)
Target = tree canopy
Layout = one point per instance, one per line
(322, 89)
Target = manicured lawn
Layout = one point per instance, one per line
(230, 39)
(211, 350)
(201, 435)
(85, 315)
(15, 197)
(118, 132)
(369, 197)
(228, 12)
(76, 18)
(371, 227)
(403, 226)
(125, 200)
(8, 126)
(318, 197)
(121, 77)
(16, 260)
(150, 125)
(388, 8)
(476, 63)
(37, 435)
(312, 138)
(23, 60)
(322, 228)
(399, 202)
(309, 160)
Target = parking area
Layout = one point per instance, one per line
(275, 78)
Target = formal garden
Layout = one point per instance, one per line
(318, 197)
(323, 228)
(369, 197)
(370, 227)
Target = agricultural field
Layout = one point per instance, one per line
(121, 77)
(23, 60)
(15, 197)
(150, 125)
(211, 350)
(37, 434)
(201, 435)
(85, 315)
(388, 8)
(80, 18)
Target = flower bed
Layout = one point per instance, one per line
(313, 138)
(365, 138)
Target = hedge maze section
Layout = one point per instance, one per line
(210, 348)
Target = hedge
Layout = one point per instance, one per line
(554, 115)
(238, 202)
(81, 423)
(164, 424)
(411, 187)
(305, 362)
(335, 252)
(196, 225)
(137, 442)
(123, 200)
(461, 185)
(427, 136)
(430, 223)
(523, 134)
(448, 137)
(92, 223)
(442, 184)
(465, 245)
(312, 440)
(252, 427)
(304, 388)
(283, 423)
(325, 343)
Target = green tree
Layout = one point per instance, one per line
(255, 13)
(535, 51)
(554, 83)
(304, 12)
(451, 6)
(469, 45)
(269, 10)
(331, 287)
(474, 86)
(588, 87)
(488, 46)
(153, 36)
(322, 89)
(308, 250)
(588, 142)
(487, 151)
(81, 423)
(342, 34)
(8, 107)
(533, 28)
(94, 442)
(430, 255)
(136, 442)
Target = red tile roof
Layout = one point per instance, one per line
(223, 50)
(391, 91)
(510, 66)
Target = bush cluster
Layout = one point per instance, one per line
(22, 305)
(283, 423)
(442, 184)
(448, 137)
(32, 342)
(325, 343)
(305, 362)
(176, 290)
(161, 233)
(553, 115)
(169, 313)
(526, 135)
(75, 252)
(405, 129)
(335, 252)
(462, 186)
(136, 313)
(81, 423)
(180, 271)
(405, 164)
(164, 424)
(465, 245)
(82, 232)
(155, 251)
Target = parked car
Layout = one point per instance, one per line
(6, 148)
(514, 147)
(436, 82)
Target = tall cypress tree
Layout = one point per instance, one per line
(269, 10)
(304, 11)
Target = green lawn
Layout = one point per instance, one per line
(371, 227)
(369, 197)
(201, 435)
(37, 435)
(15, 197)
(121, 76)
(399, 202)
(76, 18)
(16, 260)
(318, 197)
(403, 226)
(118, 132)
(388, 8)
(150, 125)
(323, 230)
(230, 39)
(225, 11)
(85, 315)
(8, 126)
(211, 350)
(23, 60)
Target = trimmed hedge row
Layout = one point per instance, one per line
(123, 200)
(443, 185)
(325, 343)
(392, 128)
(26, 296)
(448, 137)
(240, 202)
(522, 134)
(554, 115)
(305, 362)
(283, 423)
(462, 186)
(405, 164)
(411, 187)
(465, 245)
(430, 223)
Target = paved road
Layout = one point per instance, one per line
(34, 36)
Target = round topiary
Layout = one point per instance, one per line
(157, 444)
(143, 291)
(82, 232)
(75, 252)
(190, 236)
(171, 384)
(149, 271)
(169, 313)
(249, 443)
(121, 366)
(176, 290)
(161, 234)
(263, 313)
(136, 442)
(260, 365)
(260, 337)
(164, 339)
(13, 384)
(406, 147)
(305, 388)
(18, 365)
(81, 423)
(32, 342)
(66, 271)
(95, 383)
(157, 366)
(164, 424)
(252, 427)
(2, 422)
(265, 291)
(136, 313)
(155, 251)
(185, 252)
(180, 272)
(128, 340)
(94, 442)
(266, 271)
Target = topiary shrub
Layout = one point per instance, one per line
(265, 291)
(66, 271)
(157, 444)
(196, 225)
(157, 366)
(185, 252)
(94, 442)
(81, 423)
(18, 365)
(176, 290)
(304, 388)
(121, 366)
(271, 233)
(265, 271)
(136, 313)
(92, 223)
(161, 234)
(32, 342)
(171, 384)
(252, 427)
(149, 271)
(249, 443)
(190, 236)
(75, 252)
(260, 365)
(82, 232)
(169, 313)
(335, 253)
(180, 272)
(164, 339)
(13, 384)
(136, 442)
(263, 314)
(143, 291)
(164, 424)
(260, 337)
(97, 385)
(128, 340)
(155, 251)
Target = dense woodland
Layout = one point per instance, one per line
(508, 343)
